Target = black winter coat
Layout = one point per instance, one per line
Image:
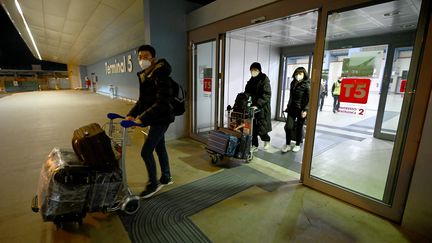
(153, 105)
(259, 89)
(299, 96)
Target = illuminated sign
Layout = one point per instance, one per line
(119, 67)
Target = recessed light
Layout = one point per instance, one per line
(407, 26)
(389, 14)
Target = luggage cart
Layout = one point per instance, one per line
(233, 141)
(96, 191)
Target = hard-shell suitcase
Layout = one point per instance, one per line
(63, 187)
(93, 146)
(244, 146)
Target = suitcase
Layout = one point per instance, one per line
(105, 189)
(244, 146)
(217, 141)
(222, 143)
(93, 146)
(231, 146)
(63, 187)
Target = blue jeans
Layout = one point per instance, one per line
(156, 141)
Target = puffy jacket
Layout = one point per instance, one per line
(299, 96)
(153, 105)
(259, 89)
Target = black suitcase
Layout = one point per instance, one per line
(244, 146)
(93, 146)
(63, 187)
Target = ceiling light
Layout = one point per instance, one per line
(28, 29)
(407, 26)
(391, 13)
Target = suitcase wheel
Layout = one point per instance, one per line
(131, 204)
(34, 205)
(249, 157)
(215, 158)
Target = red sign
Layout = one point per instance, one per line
(354, 90)
(207, 86)
(402, 86)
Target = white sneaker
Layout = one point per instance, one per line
(267, 145)
(286, 148)
(296, 148)
(254, 149)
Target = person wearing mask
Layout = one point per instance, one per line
(153, 109)
(336, 88)
(297, 109)
(323, 94)
(258, 87)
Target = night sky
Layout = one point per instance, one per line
(14, 53)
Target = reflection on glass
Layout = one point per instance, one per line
(346, 153)
(204, 88)
(396, 90)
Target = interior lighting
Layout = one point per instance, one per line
(28, 29)
(390, 14)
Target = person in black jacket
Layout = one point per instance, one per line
(258, 87)
(153, 109)
(297, 109)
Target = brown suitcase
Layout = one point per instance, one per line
(93, 146)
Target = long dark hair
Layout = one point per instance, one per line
(301, 70)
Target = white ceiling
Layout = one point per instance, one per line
(86, 31)
(301, 28)
(79, 31)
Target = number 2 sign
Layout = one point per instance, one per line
(354, 90)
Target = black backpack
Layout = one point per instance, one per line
(179, 99)
(241, 102)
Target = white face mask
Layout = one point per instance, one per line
(254, 73)
(144, 63)
(299, 77)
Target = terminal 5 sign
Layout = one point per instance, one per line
(119, 67)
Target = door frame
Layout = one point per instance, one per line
(409, 141)
(405, 139)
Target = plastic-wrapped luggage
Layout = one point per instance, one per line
(93, 146)
(63, 186)
(105, 188)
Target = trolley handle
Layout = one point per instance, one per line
(129, 123)
(113, 116)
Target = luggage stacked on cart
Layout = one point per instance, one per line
(85, 179)
(64, 184)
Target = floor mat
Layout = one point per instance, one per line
(164, 217)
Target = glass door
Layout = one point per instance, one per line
(290, 63)
(343, 157)
(204, 89)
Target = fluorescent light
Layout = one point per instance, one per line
(28, 29)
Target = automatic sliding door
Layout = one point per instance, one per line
(347, 160)
(204, 89)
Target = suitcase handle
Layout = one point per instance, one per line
(129, 123)
(113, 116)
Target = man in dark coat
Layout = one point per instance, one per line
(153, 109)
(258, 87)
(297, 108)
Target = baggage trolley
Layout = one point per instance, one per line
(233, 141)
(100, 191)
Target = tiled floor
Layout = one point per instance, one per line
(33, 123)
